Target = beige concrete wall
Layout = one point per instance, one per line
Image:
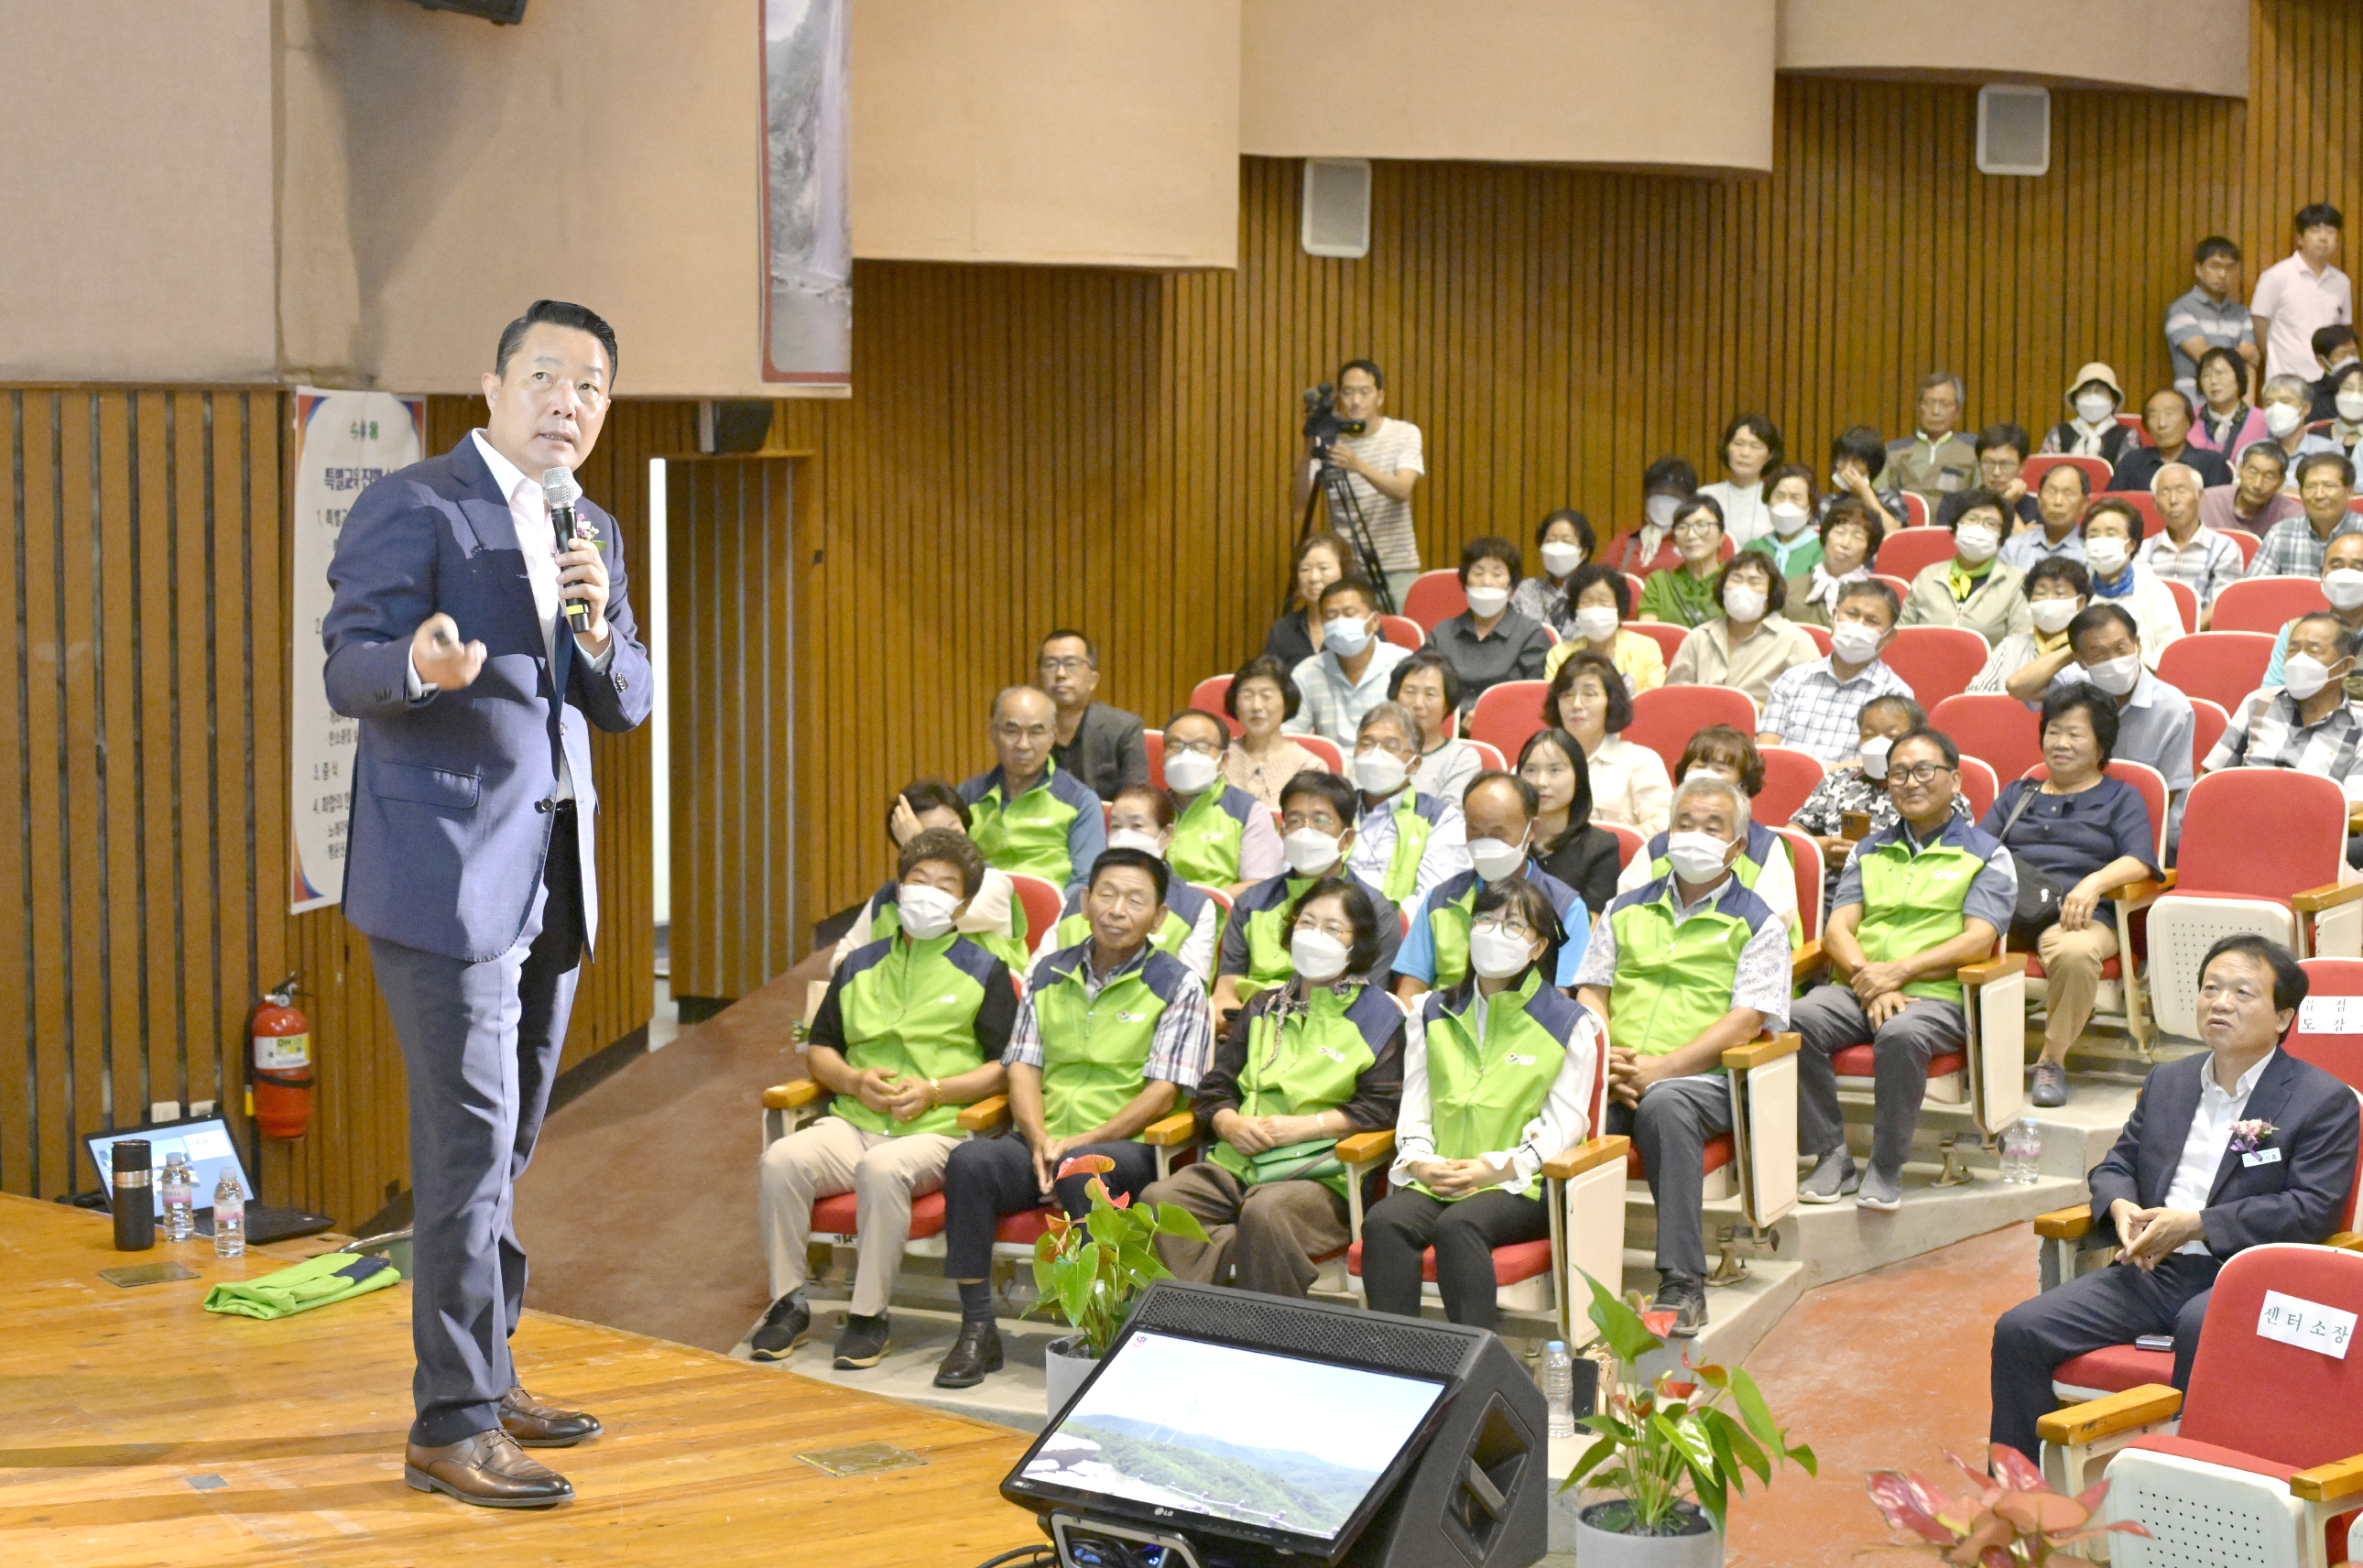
(135, 191)
(2181, 46)
(1081, 132)
(1666, 84)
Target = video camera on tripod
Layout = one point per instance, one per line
(1321, 429)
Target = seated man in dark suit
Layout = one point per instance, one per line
(2232, 1149)
(1104, 747)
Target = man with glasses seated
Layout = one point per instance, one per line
(1404, 842)
(1028, 814)
(1223, 837)
(1915, 903)
(1318, 810)
(1102, 745)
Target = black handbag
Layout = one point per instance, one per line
(2039, 892)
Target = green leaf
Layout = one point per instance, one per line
(1173, 1220)
(1107, 1225)
(1753, 1410)
(1591, 1456)
(1740, 1448)
(1619, 1324)
(1804, 1457)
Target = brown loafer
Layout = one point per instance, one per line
(536, 1425)
(488, 1470)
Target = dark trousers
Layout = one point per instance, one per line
(988, 1177)
(1670, 1128)
(1829, 1019)
(2110, 1305)
(480, 1044)
(1405, 1223)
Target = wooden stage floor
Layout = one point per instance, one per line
(136, 1428)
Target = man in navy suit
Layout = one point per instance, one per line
(469, 862)
(2239, 1147)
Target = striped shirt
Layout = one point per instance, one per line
(1178, 1050)
(2267, 733)
(2292, 548)
(2224, 324)
(1393, 446)
(1334, 701)
(2203, 565)
(1810, 710)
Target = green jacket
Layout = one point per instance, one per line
(1207, 835)
(1184, 904)
(1415, 817)
(1054, 830)
(911, 1006)
(1311, 1061)
(315, 1282)
(1674, 979)
(1917, 898)
(1255, 939)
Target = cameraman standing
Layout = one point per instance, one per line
(1380, 465)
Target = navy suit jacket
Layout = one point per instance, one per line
(449, 823)
(2295, 1198)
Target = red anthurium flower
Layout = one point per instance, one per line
(1089, 1163)
(1122, 1200)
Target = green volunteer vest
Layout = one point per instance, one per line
(1029, 834)
(1482, 1093)
(1308, 1065)
(1093, 1050)
(1010, 949)
(914, 1011)
(1673, 980)
(1749, 867)
(1912, 902)
(1268, 960)
(1206, 839)
(1412, 832)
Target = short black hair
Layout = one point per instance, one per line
(1579, 808)
(1371, 367)
(925, 795)
(1592, 572)
(2004, 434)
(1091, 649)
(1320, 539)
(1915, 715)
(1584, 661)
(1340, 793)
(2136, 524)
(2231, 363)
(1492, 547)
(2215, 245)
(952, 848)
(1669, 475)
(2315, 214)
(1349, 583)
(1776, 590)
(555, 313)
(2098, 614)
(1264, 667)
(2061, 568)
(1936, 738)
(1871, 588)
(2313, 460)
(1845, 508)
(2290, 983)
(1222, 729)
(2328, 340)
(1756, 425)
(2266, 447)
(1138, 860)
(1427, 659)
(2083, 479)
(1707, 504)
(1526, 795)
(1773, 477)
(1360, 914)
(2098, 708)
(1721, 745)
(1974, 496)
(1531, 905)
(2345, 639)
(1573, 518)
(1862, 443)
(1159, 801)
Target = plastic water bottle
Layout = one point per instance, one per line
(229, 1219)
(176, 1182)
(2022, 1152)
(1558, 1388)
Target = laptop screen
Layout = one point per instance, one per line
(204, 1142)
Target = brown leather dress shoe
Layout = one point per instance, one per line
(488, 1470)
(536, 1425)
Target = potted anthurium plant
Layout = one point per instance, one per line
(2015, 1520)
(1092, 1270)
(1674, 1447)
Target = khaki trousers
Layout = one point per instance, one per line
(2071, 978)
(834, 1156)
(1264, 1238)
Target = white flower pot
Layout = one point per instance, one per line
(1698, 1547)
(1065, 1364)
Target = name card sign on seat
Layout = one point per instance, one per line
(2308, 1325)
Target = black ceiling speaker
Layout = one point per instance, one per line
(507, 13)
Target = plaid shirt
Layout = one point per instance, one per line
(1335, 702)
(2265, 733)
(2291, 549)
(1177, 1052)
(2203, 565)
(1809, 707)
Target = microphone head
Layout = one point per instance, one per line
(558, 487)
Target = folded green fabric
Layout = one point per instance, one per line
(315, 1282)
(1307, 1161)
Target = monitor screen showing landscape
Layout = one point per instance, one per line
(1263, 1441)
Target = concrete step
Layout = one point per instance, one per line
(2075, 1136)
(1014, 1396)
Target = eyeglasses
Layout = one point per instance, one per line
(1203, 747)
(1337, 931)
(1696, 529)
(1918, 772)
(1065, 666)
(1511, 926)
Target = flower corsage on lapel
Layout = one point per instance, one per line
(2253, 1142)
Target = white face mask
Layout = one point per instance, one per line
(1317, 955)
(2094, 406)
(1187, 773)
(1597, 622)
(2350, 407)
(927, 912)
(2051, 617)
(1134, 839)
(2302, 675)
(1696, 857)
(1874, 757)
(1494, 859)
(1309, 850)
(2344, 588)
(1495, 954)
(2116, 676)
(1379, 772)
(1788, 519)
(1559, 557)
(1976, 542)
(1660, 510)
(2106, 557)
(1484, 602)
(1853, 642)
(1742, 603)
(1347, 634)
(2280, 419)
(1841, 480)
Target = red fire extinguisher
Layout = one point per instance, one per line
(279, 1086)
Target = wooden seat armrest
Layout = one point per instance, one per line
(1366, 1148)
(1807, 960)
(2139, 895)
(1586, 1156)
(1764, 1048)
(2346, 1240)
(1987, 970)
(1170, 1131)
(2315, 900)
(2329, 1483)
(2145, 1405)
(986, 1114)
(788, 1097)
(2065, 1224)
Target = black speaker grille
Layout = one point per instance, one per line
(1268, 1323)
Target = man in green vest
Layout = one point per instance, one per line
(1316, 820)
(1916, 902)
(1682, 968)
(1026, 814)
(1223, 837)
(1404, 842)
(1499, 810)
(1111, 1035)
(911, 1029)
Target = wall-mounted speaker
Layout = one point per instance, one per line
(1336, 206)
(2013, 129)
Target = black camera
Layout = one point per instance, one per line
(1321, 424)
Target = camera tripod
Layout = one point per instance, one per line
(1331, 486)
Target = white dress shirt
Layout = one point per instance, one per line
(2210, 1135)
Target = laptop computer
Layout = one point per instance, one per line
(206, 1143)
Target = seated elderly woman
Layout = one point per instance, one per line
(2057, 588)
(2113, 532)
(1851, 533)
(1564, 541)
(1604, 602)
(1490, 643)
(1467, 1168)
(1973, 589)
(1751, 642)
(1683, 595)
(1859, 790)
(1261, 759)
(1791, 540)
(1629, 786)
(1426, 687)
(1320, 1056)
(1765, 866)
(2077, 835)
(994, 920)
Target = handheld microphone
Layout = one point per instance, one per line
(559, 488)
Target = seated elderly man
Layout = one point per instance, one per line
(1102, 745)
(1500, 816)
(2341, 585)
(1813, 707)
(1914, 904)
(2307, 724)
(2258, 498)
(2185, 550)
(2166, 416)
(2176, 1197)
(911, 1029)
(1223, 837)
(1318, 811)
(2059, 533)
(1027, 814)
(1404, 842)
(1683, 969)
(2294, 546)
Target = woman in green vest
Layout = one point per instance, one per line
(1222, 836)
(1141, 818)
(1498, 1075)
(1320, 1056)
